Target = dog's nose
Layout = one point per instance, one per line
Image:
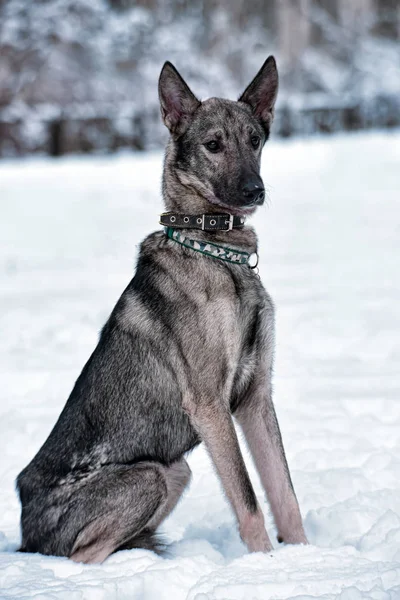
(253, 193)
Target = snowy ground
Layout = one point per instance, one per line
(329, 246)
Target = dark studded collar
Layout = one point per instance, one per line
(211, 222)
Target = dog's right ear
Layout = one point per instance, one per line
(178, 103)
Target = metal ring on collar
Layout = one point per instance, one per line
(257, 259)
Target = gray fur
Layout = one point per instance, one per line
(189, 343)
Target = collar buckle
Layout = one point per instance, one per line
(230, 223)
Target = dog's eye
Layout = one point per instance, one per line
(255, 141)
(213, 146)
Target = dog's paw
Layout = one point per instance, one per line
(253, 533)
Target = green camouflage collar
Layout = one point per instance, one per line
(233, 256)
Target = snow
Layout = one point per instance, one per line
(329, 255)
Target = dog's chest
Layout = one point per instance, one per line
(255, 309)
(256, 327)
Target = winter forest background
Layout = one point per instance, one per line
(81, 75)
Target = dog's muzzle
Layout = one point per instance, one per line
(253, 194)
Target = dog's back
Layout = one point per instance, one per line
(125, 408)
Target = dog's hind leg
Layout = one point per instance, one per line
(177, 477)
(120, 504)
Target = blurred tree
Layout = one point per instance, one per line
(91, 61)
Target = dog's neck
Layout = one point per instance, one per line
(180, 197)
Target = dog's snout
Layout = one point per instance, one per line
(253, 192)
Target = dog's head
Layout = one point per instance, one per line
(216, 145)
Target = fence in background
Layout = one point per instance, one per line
(68, 134)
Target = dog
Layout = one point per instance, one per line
(189, 345)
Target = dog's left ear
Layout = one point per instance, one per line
(262, 91)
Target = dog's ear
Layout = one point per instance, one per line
(178, 103)
(261, 93)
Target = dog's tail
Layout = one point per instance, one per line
(146, 539)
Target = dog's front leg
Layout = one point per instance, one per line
(215, 426)
(258, 420)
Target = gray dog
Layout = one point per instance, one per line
(189, 344)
